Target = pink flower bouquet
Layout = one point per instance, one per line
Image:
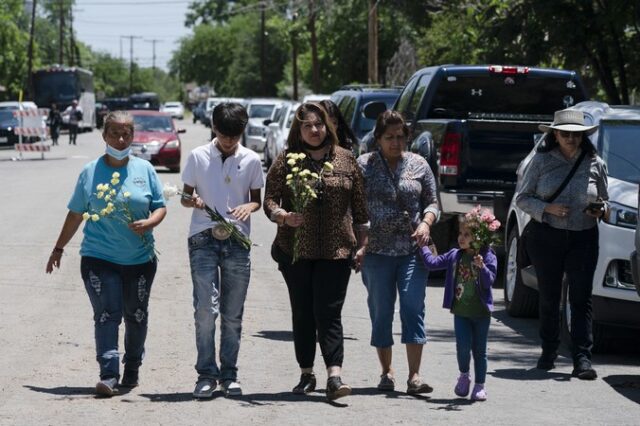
(483, 226)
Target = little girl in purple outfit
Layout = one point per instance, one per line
(467, 294)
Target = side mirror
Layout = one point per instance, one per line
(273, 125)
(373, 109)
(267, 122)
(181, 130)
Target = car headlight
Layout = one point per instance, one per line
(624, 216)
(172, 144)
(255, 131)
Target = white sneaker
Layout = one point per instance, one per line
(231, 388)
(204, 388)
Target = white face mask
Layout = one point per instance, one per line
(116, 153)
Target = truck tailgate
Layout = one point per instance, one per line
(492, 151)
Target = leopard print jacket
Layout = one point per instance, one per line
(329, 221)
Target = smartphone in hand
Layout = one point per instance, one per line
(594, 206)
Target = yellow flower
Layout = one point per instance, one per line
(103, 212)
(289, 176)
(107, 197)
(100, 195)
(126, 194)
(115, 181)
(295, 170)
(313, 195)
(95, 217)
(314, 175)
(115, 175)
(85, 216)
(290, 155)
(113, 192)
(291, 162)
(302, 156)
(327, 166)
(305, 172)
(99, 187)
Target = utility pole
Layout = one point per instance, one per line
(61, 41)
(73, 50)
(131, 38)
(373, 42)
(30, 52)
(315, 67)
(153, 44)
(294, 62)
(120, 48)
(263, 86)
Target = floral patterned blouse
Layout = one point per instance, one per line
(329, 221)
(397, 201)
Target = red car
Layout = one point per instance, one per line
(156, 139)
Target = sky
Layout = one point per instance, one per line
(102, 23)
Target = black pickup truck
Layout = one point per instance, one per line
(474, 124)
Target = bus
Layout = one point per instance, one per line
(61, 85)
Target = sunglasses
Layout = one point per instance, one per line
(566, 134)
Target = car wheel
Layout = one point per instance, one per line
(602, 341)
(520, 300)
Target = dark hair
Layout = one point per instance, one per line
(343, 131)
(550, 142)
(118, 117)
(387, 119)
(294, 141)
(229, 119)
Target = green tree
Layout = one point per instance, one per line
(13, 45)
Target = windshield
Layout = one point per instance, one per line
(261, 111)
(59, 87)
(116, 104)
(7, 119)
(503, 97)
(620, 149)
(150, 123)
(365, 125)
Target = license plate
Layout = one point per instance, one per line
(4, 139)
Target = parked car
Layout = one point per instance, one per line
(13, 105)
(315, 97)
(351, 101)
(635, 256)
(145, 100)
(176, 109)
(8, 122)
(258, 109)
(212, 102)
(199, 112)
(278, 132)
(615, 302)
(116, 104)
(156, 139)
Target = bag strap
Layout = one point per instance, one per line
(566, 180)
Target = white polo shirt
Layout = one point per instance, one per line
(222, 186)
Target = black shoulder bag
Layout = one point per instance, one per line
(522, 258)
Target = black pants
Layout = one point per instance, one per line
(554, 253)
(317, 289)
(73, 133)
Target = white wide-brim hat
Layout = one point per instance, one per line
(568, 120)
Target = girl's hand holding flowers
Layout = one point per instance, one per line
(478, 261)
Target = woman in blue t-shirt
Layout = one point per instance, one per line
(121, 199)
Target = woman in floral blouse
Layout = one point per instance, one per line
(317, 281)
(402, 205)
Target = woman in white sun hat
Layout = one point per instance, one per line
(564, 190)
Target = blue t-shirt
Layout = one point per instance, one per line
(110, 238)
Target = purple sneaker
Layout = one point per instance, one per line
(462, 387)
(478, 393)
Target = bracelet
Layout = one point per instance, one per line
(58, 250)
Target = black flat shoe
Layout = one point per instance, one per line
(336, 389)
(546, 361)
(307, 384)
(129, 379)
(584, 371)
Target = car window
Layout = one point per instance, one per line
(619, 149)
(150, 123)
(348, 109)
(421, 87)
(405, 96)
(260, 111)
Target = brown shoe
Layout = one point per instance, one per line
(417, 386)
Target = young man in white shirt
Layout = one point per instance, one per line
(226, 177)
(74, 112)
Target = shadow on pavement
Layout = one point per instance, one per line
(176, 397)
(449, 404)
(279, 335)
(75, 391)
(529, 374)
(626, 385)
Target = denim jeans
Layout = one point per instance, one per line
(471, 337)
(386, 276)
(556, 253)
(116, 291)
(220, 271)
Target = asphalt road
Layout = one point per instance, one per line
(47, 359)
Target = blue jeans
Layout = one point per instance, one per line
(386, 276)
(220, 271)
(116, 291)
(471, 337)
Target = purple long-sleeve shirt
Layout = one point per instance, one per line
(449, 260)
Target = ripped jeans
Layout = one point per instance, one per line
(116, 291)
